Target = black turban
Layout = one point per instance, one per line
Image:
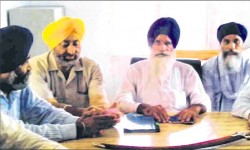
(15, 43)
(231, 28)
(167, 26)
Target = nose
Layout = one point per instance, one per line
(71, 49)
(232, 46)
(163, 47)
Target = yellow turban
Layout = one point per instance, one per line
(59, 30)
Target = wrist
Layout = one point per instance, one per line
(199, 108)
(141, 108)
(80, 128)
(65, 106)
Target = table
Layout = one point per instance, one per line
(209, 126)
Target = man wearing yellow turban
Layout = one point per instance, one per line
(61, 76)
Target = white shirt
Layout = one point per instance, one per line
(175, 92)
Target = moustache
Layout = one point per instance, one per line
(161, 55)
(65, 55)
(229, 52)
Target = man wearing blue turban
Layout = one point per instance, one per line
(161, 86)
(224, 74)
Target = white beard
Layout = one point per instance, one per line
(62, 64)
(232, 63)
(160, 67)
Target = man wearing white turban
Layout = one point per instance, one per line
(64, 78)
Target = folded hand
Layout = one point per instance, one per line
(95, 124)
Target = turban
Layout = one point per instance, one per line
(59, 30)
(231, 28)
(167, 26)
(15, 44)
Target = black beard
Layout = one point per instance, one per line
(21, 79)
(6, 88)
(20, 82)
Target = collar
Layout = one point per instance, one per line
(2, 93)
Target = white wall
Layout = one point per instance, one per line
(5, 5)
(116, 30)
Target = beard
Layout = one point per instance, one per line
(232, 60)
(15, 82)
(65, 63)
(160, 65)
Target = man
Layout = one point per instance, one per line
(14, 136)
(241, 106)
(160, 84)
(19, 102)
(61, 76)
(224, 74)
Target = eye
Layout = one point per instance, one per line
(226, 41)
(75, 43)
(157, 42)
(65, 45)
(168, 43)
(237, 41)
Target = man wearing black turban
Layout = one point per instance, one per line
(160, 84)
(15, 43)
(224, 74)
(19, 102)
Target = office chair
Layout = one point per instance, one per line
(195, 63)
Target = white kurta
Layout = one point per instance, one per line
(175, 92)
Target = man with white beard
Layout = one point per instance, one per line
(161, 86)
(224, 74)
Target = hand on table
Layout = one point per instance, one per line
(93, 125)
(189, 113)
(111, 111)
(158, 112)
(92, 111)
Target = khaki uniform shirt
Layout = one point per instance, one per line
(83, 88)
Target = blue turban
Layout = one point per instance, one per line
(231, 28)
(15, 43)
(167, 26)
